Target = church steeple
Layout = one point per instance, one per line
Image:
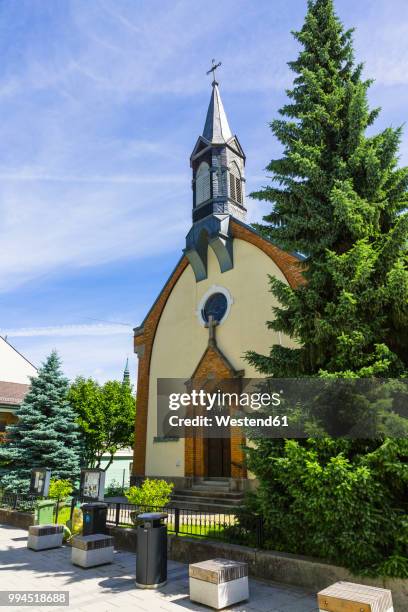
(216, 128)
(217, 163)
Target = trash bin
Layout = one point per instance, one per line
(44, 512)
(151, 558)
(94, 518)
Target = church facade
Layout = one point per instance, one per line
(221, 279)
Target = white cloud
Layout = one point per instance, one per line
(103, 357)
(96, 329)
(48, 228)
(381, 41)
(29, 175)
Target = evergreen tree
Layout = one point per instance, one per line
(339, 199)
(46, 434)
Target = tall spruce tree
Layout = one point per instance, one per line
(338, 199)
(46, 434)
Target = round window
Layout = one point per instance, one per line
(215, 306)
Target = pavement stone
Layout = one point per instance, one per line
(111, 588)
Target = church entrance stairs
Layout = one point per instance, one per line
(208, 496)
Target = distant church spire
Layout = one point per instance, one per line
(126, 374)
(218, 166)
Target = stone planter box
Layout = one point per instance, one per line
(42, 537)
(92, 550)
(218, 583)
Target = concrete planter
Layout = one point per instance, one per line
(42, 537)
(92, 550)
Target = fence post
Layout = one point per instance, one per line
(259, 531)
(57, 511)
(15, 501)
(71, 512)
(117, 514)
(176, 520)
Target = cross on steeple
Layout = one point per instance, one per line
(213, 69)
(211, 325)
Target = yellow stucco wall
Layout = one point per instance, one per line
(181, 339)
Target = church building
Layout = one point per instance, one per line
(221, 277)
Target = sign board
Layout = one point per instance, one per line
(40, 482)
(92, 486)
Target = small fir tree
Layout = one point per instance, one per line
(46, 434)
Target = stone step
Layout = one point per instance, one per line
(210, 489)
(208, 493)
(187, 499)
(216, 482)
(209, 507)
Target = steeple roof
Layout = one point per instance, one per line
(126, 373)
(216, 127)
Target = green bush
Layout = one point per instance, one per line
(318, 499)
(60, 489)
(154, 493)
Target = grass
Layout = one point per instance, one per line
(191, 531)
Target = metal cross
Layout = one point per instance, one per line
(213, 69)
(211, 325)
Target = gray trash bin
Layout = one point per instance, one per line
(94, 518)
(151, 558)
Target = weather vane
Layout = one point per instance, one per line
(213, 69)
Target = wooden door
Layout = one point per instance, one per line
(219, 457)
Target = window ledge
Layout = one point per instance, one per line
(160, 439)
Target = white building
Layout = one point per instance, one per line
(15, 373)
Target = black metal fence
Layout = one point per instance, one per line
(17, 501)
(180, 521)
(186, 521)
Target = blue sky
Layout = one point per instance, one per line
(101, 103)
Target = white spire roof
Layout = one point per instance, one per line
(216, 127)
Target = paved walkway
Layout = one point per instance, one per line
(111, 588)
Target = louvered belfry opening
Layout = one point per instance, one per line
(235, 188)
